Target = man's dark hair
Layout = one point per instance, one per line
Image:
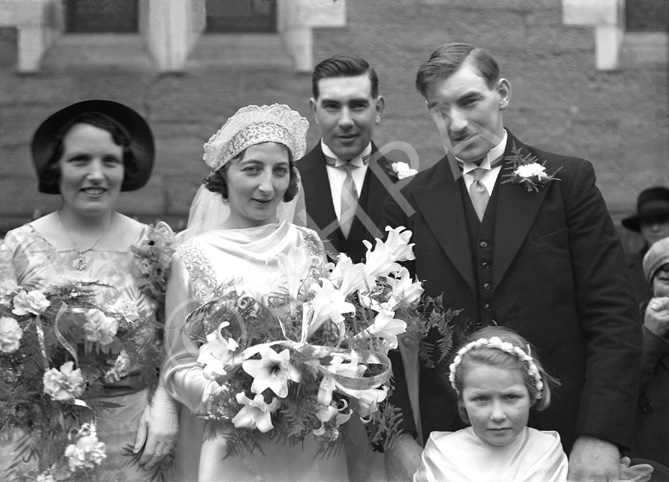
(341, 65)
(448, 58)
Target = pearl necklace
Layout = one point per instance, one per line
(81, 264)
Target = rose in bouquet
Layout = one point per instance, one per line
(305, 356)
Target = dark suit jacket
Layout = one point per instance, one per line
(559, 279)
(322, 218)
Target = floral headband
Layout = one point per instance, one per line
(253, 125)
(505, 346)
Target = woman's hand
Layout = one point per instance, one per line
(158, 429)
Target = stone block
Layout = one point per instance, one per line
(540, 127)
(196, 96)
(45, 88)
(639, 94)
(15, 160)
(19, 195)
(591, 12)
(126, 86)
(150, 200)
(8, 47)
(179, 193)
(551, 17)
(19, 121)
(645, 147)
(560, 39)
(590, 136)
(179, 146)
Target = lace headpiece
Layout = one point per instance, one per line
(505, 346)
(253, 125)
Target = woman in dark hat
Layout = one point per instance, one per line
(651, 221)
(88, 153)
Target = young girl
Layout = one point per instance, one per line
(498, 379)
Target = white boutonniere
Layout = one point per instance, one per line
(403, 170)
(528, 171)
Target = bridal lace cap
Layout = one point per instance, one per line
(253, 125)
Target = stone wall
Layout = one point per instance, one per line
(618, 120)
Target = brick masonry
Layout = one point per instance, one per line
(618, 120)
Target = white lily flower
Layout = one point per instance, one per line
(350, 277)
(404, 289)
(272, 371)
(328, 304)
(385, 326)
(255, 413)
(295, 267)
(217, 353)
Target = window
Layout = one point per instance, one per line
(241, 16)
(101, 16)
(646, 15)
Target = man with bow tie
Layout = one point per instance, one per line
(522, 238)
(345, 177)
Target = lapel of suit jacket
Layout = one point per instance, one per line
(440, 203)
(372, 197)
(515, 213)
(318, 199)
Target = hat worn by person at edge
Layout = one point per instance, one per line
(656, 259)
(651, 219)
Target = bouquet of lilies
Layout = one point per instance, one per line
(55, 344)
(306, 358)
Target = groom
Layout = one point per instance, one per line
(345, 177)
(539, 255)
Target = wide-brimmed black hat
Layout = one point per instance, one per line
(133, 124)
(652, 202)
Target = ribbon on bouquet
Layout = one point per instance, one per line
(40, 339)
(66, 344)
(318, 352)
(59, 336)
(196, 329)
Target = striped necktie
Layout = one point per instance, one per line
(349, 199)
(349, 193)
(478, 193)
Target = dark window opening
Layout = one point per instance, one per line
(647, 15)
(241, 16)
(101, 16)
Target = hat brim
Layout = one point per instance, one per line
(44, 141)
(652, 209)
(632, 223)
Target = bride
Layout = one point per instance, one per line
(238, 225)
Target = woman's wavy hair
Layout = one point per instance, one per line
(216, 181)
(51, 175)
(494, 357)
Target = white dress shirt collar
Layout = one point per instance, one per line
(493, 154)
(357, 160)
